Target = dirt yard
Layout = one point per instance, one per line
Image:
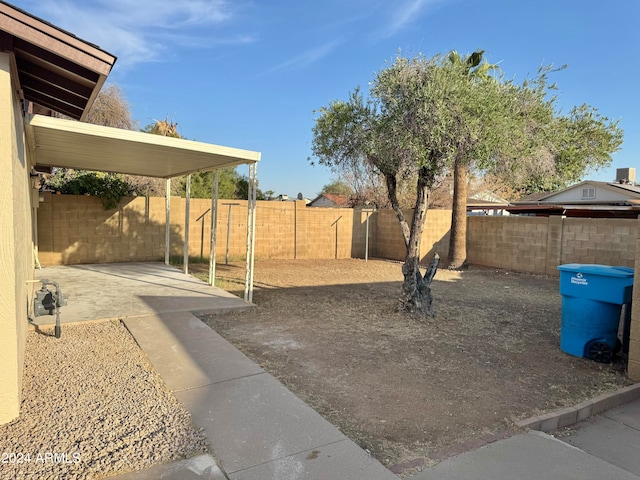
(412, 391)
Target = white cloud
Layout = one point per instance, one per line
(308, 57)
(137, 31)
(403, 15)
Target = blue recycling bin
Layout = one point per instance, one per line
(592, 299)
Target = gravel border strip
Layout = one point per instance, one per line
(93, 406)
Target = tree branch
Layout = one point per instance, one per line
(393, 198)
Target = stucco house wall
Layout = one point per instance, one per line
(15, 247)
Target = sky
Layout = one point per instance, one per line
(249, 74)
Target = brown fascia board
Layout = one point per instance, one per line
(35, 30)
(58, 50)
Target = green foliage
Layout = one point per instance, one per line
(338, 187)
(110, 187)
(552, 150)
(420, 115)
(231, 185)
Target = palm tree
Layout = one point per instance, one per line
(472, 67)
(164, 128)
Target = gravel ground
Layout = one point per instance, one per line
(93, 406)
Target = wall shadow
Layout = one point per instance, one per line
(78, 230)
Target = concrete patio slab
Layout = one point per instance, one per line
(121, 290)
(254, 420)
(342, 460)
(530, 456)
(186, 352)
(609, 440)
(628, 414)
(202, 467)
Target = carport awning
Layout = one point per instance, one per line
(56, 142)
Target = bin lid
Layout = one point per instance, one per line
(606, 270)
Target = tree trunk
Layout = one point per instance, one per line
(458, 240)
(416, 290)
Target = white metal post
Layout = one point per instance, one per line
(251, 230)
(214, 228)
(366, 242)
(186, 225)
(167, 223)
(226, 255)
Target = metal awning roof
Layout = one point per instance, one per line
(55, 142)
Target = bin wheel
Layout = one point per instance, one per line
(600, 352)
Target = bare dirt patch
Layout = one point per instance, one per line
(406, 389)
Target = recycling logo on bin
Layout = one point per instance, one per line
(579, 279)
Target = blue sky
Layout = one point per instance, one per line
(249, 74)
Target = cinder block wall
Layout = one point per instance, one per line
(540, 244)
(608, 241)
(389, 242)
(517, 243)
(633, 367)
(77, 229)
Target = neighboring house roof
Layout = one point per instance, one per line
(534, 197)
(472, 204)
(586, 192)
(55, 69)
(587, 198)
(486, 199)
(331, 200)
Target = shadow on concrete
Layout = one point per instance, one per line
(121, 290)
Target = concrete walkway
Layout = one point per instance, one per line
(606, 446)
(256, 428)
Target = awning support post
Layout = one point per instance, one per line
(186, 224)
(167, 223)
(251, 232)
(214, 228)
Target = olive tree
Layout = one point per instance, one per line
(533, 146)
(419, 114)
